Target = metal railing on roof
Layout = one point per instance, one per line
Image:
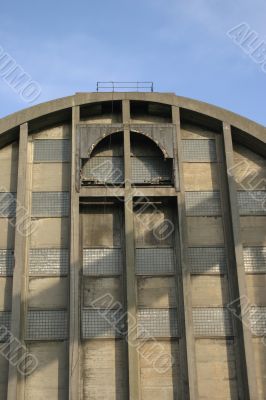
(119, 86)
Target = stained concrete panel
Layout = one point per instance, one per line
(253, 230)
(256, 286)
(50, 233)
(7, 233)
(50, 379)
(51, 177)
(159, 383)
(260, 361)
(153, 226)
(57, 132)
(205, 231)
(209, 291)
(249, 170)
(156, 292)
(5, 294)
(195, 132)
(201, 176)
(8, 175)
(46, 293)
(97, 288)
(9, 168)
(102, 226)
(104, 372)
(216, 369)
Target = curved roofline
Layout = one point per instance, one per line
(29, 114)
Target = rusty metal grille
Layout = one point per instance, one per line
(157, 323)
(104, 170)
(7, 204)
(46, 325)
(50, 204)
(199, 150)
(102, 261)
(154, 261)
(6, 262)
(5, 321)
(102, 323)
(203, 203)
(252, 202)
(151, 170)
(48, 262)
(51, 150)
(207, 260)
(255, 259)
(257, 319)
(212, 321)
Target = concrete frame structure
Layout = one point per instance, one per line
(186, 120)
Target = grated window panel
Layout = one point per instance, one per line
(102, 262)
(203, 203)
(102, 323)
(51, 150)
(51, 262)
(252, 202)
(50, 204)
(257, 317)
(6, 262)
(199, 150)
(5, 321)
(212, 321)
(7, 204)
(151, 170)
(154, 261)
(104, 170)
(46, 325)
(157, 323)
(255, 259)
(206, 260)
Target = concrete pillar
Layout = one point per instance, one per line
(15, 380)
(74, 273)
(243, 329)
(133, 359)
(186, 283)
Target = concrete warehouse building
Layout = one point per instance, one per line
(132, 250)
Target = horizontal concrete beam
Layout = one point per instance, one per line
(252, 128)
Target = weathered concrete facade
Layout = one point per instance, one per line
(132, 250)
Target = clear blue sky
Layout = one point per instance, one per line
(181, 45)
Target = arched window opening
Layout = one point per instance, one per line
(105, 165)
(148, 165)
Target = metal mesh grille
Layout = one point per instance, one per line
(104, 170)
(199, 150)
(50, 204)
(212, 321)
(150, 170)
(206, 260)
(102, 323)
(102, 262)
(49, 262)
(51, 150)
(6, 262)
(258, 320)
(5, 320)
(154, 261)
(7, 204)
(252, 202)
(203, 203)
(255, 259)
(157, 323)
(46, 325)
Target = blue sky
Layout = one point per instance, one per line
(181, 45)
